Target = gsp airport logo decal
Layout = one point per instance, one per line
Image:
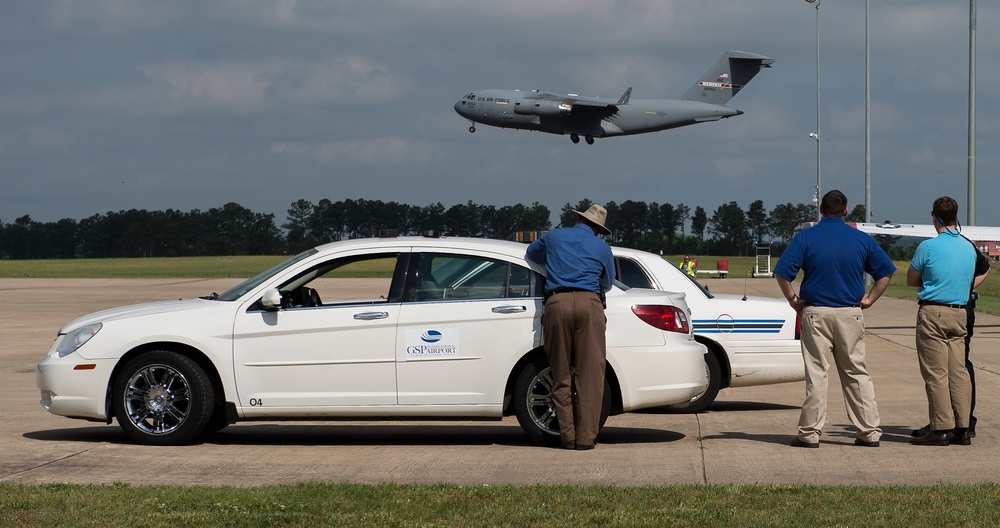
(431, 343)
(430, 336)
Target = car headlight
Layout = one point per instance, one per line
(76, 339)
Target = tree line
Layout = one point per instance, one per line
(235, 230)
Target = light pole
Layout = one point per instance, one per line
(972, 115)
(868, 125)
(816, 198)
(816, 135)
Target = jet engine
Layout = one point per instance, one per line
(542, 107)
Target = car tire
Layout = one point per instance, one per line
(701, 402)
(162, 398)
(218, 420)
(533, 403)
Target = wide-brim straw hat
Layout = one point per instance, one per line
(596, 214)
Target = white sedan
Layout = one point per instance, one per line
(751, 340)
(451, 329)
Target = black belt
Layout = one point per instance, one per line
(824, 306)
(933, 303)
(567, 290)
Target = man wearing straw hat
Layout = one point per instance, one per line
(579, 268)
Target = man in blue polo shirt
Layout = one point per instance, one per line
(579, 268)
(834, 258)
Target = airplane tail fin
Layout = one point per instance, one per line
(733, 71)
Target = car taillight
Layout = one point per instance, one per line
(798, 326)
(669, 318)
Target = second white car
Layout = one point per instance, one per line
(751, 340)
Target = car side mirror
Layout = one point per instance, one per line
(271, 301)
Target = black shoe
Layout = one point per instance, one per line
(960, 436)
(922, 431)
(796, 442)
(927, 428)
(935, 438)
(866, 443)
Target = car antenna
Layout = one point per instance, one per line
(745, 285)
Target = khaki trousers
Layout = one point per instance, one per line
(838, 333)
(941, 351)
(574, 326)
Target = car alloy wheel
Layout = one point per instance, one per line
(157, 399)
(163, 398)
(533, 403)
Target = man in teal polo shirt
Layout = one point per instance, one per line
(834, 258)
(944, 269)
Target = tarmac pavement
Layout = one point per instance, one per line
(742, 438)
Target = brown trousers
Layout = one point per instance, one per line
(574, 326)
(941, 334)
(837, 333)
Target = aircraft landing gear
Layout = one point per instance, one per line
(590, 139)
(472, 129)
(574, 137)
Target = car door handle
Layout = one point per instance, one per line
(369, 316)
(509, 309)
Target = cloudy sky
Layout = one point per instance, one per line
(108, 105)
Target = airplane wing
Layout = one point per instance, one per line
(625, 96)
(576, 105)
(981, 233)
(889, 228)
(976, 233)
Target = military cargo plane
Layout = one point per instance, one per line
(595, 117)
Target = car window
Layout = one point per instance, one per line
(631, 274)
(346, 280)
(525, 283)
(237, 291)
(443, 276)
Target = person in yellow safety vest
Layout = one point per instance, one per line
(688, 266)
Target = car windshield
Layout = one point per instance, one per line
(240, 289)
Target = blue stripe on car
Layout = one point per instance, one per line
(737, 326)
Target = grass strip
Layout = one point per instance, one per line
(445, 505)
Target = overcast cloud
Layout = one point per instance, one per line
(108, 105)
